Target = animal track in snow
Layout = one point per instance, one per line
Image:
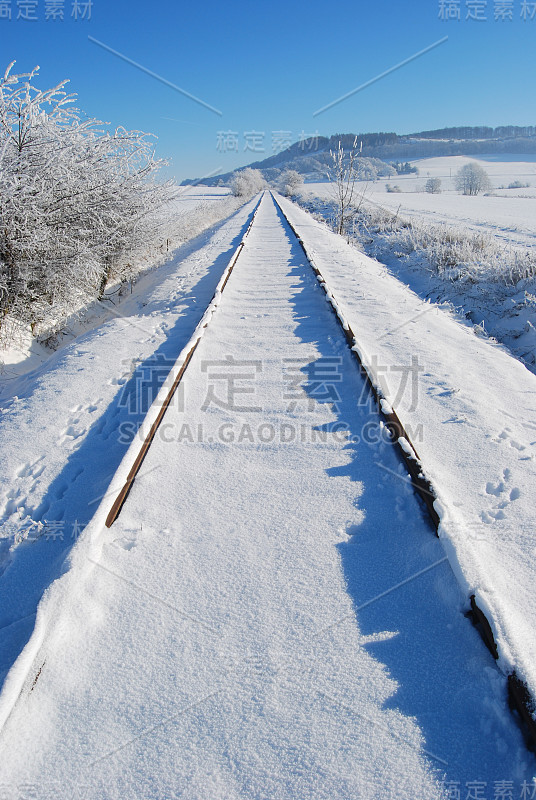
(503, 495)
(124, 543)
(78, 426)
(26, 482)
(71, 434)
(34, 470)
(505, 438)
(442, 389)
(22, 497)
(14, 500)
(128, 541)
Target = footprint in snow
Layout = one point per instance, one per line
(504, 495)
(34, 470)
(505, 438)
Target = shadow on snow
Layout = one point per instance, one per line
(445, 676)
(74, 495)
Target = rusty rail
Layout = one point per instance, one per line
(119, 501)
(420, 482)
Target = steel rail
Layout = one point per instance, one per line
(191, 347)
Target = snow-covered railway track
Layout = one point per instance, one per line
(158, 409)
(393, 424)
(258, 618)
(519, 697)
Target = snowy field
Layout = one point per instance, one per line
(489, 276)
(189, 197)
(511, 215)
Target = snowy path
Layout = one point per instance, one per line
(241, 630)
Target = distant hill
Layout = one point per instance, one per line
(312, 156)
(480, 132)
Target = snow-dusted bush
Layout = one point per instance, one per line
(455, 255)
(77, 203)
(247, 182)
(343, 172)
(289, 182)
(471, 179)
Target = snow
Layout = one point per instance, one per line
(190, 197)
(511, 214)
(486, 283)
(511, 218)
(271, 615)
(471, 408)
(66, 425)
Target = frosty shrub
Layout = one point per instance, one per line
(247, 182)
(454, 255)
(289, 182)
(78, 203)
(343, 172)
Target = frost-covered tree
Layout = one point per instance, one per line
(367, 171)
(289, 182)
(433, 186)
(247, 182)
(77, 202)
(343, 172)
(472, 179)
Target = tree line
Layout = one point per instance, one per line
(478, 132)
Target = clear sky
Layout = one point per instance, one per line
(269, 66)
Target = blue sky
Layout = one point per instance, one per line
(269, 67)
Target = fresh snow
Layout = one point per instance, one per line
(66, 425)
(472, 412)
(509, 214)
(271, 614)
